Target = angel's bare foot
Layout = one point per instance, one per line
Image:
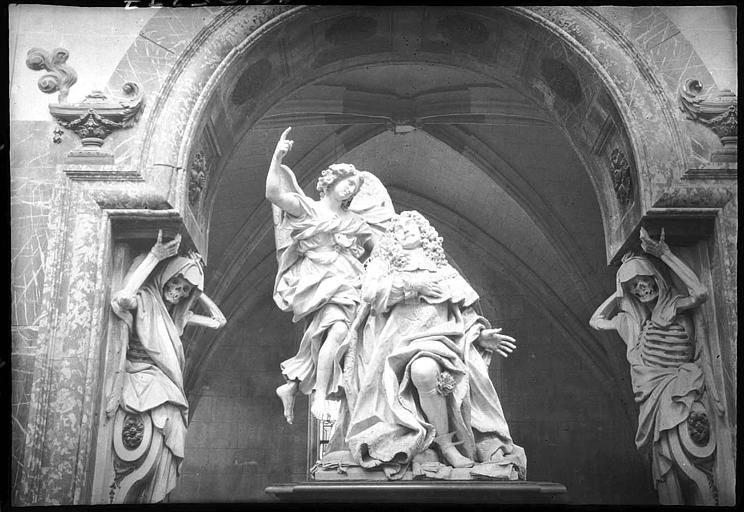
(324, 409)
(287, 392)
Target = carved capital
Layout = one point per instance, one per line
(98, 116)
(717, 110)
(60, 76)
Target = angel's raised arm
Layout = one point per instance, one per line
(281, 183)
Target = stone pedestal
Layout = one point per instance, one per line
(421, 491)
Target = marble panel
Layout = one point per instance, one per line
(29, 210)
(22, 365)
(33, 154)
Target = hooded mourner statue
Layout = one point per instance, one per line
(656, 322)
(155, 304)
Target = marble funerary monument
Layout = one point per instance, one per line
(318, 253)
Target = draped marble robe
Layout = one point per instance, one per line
(319, 279)
(664, 392)
(386, 428)
(153, 377)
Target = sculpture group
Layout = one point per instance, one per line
(393, 337)
(391, 332)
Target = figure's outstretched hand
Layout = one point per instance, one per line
(651, 246)
(284, 145)
(162, 250)
(492, 339)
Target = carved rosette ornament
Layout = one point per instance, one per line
(718, 111)
(698, 427)
(622, 180)
(132, 431)
(97, 116)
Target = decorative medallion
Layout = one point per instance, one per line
(622, 180)
(562, 80)
(698, 426)
(132, 431)
(197, 177)
(718, 111)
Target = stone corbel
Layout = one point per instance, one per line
(718, 111)
(93, 119)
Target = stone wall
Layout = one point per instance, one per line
(238, 441)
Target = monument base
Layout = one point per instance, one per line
(420, 491)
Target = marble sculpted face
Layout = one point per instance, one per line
(408, 234)
(176, 289)
(644, 288)
(344, 189)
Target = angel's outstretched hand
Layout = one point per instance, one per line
(284, 145)
(492, 339)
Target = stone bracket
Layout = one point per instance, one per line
(682, 227)
(722, 171)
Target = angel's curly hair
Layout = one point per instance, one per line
(334, 174)
(389, 248)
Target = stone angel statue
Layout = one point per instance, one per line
(321, 245)
(156, 305)
(656, 322)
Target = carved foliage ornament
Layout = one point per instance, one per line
(197, 177)
(622, 180)
(699, 427)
